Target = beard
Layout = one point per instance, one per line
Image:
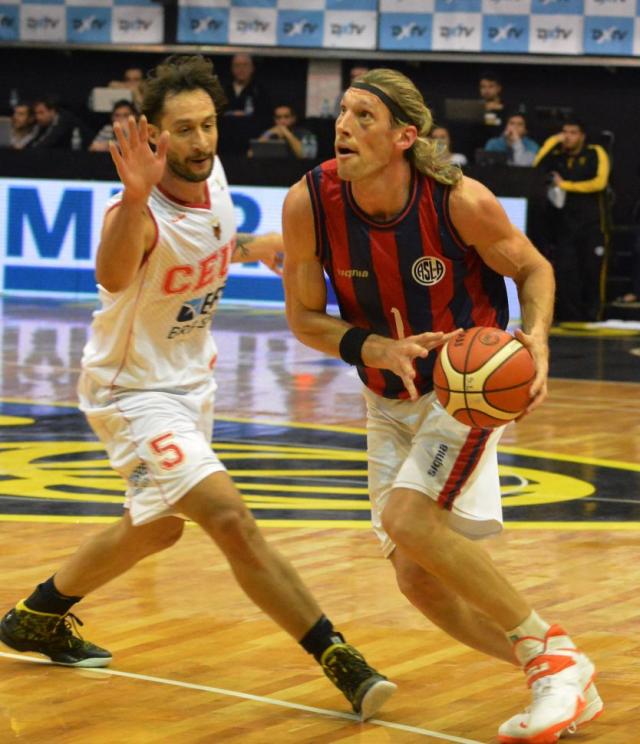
(182, 170)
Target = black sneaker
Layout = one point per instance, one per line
(51, 635)
(364, 688)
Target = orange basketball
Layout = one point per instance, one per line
(482, 377)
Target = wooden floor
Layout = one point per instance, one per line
(194, 661)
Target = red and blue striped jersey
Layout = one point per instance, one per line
(405, 276)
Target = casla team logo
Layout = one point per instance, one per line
(428, 270)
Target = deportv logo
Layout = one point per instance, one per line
(299, 28)
(409, 30)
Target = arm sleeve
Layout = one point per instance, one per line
(598, 182)
(546, 148)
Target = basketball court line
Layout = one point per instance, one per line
(256, 699)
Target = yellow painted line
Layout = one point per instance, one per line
(301, 488)
(619, 464)
(293, 425)
(90, 519)
(40, 403)
(296, 473)
(349, 454)
(15, 421)
(349, 524)
(568, 526)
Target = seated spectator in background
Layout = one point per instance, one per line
(442, 134)
(521, 150)
(245, 95)
(57, 128)
(132, 80)
(490, 90)
(23, 125)
(121, 112)
(302, 143)
(355, 72)
(579, 175)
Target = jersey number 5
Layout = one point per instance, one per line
(172, 454)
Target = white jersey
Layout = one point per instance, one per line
(155, 333)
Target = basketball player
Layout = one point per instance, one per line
(415, 251)
(148, 391)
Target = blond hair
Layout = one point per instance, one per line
(428, 156)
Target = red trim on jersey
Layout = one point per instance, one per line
(464, 465)
(441, 316)
(384, 256)
(206, 204)
(339, 241)
(148, 253)
(449, 222)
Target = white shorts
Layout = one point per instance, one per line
(159, 441)
(418, 445)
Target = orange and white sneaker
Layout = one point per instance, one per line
(557, 675)
(593, 708)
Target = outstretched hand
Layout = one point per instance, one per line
(398, 355)
(539, 350)
(138, 166)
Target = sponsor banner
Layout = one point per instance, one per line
(608, 35)
(502, 33)
(557, 7)
(411, 31)
(136, 24)
(558, 34)
(9, 22)
(203, 25)
(457, 32)
(636, 38)
(506, 7)
(252, 26)
(42, 22)
(350, 29)
(89, 25)
(83, 21)
(300, 28)
(622, 8)
(49, 234)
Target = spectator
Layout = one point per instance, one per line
(302, 143)
(57, 128)
(121, 112)
(245, 95)
(579, 175)
(521, 150)
(23, 125)
(132, 80)
(490, 90)
(442, 135)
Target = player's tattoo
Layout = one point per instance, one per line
(243, 243)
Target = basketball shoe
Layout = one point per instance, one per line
(55, 636)
(364, 688)
(564, 696)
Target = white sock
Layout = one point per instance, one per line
(528, 637)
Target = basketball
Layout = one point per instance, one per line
(482, 377)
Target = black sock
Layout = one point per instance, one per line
(322, 635)
(46, 598)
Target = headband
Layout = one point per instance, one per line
(396, 110)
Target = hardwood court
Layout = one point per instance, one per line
(194, 661)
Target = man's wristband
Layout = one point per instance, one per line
(351, 345)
